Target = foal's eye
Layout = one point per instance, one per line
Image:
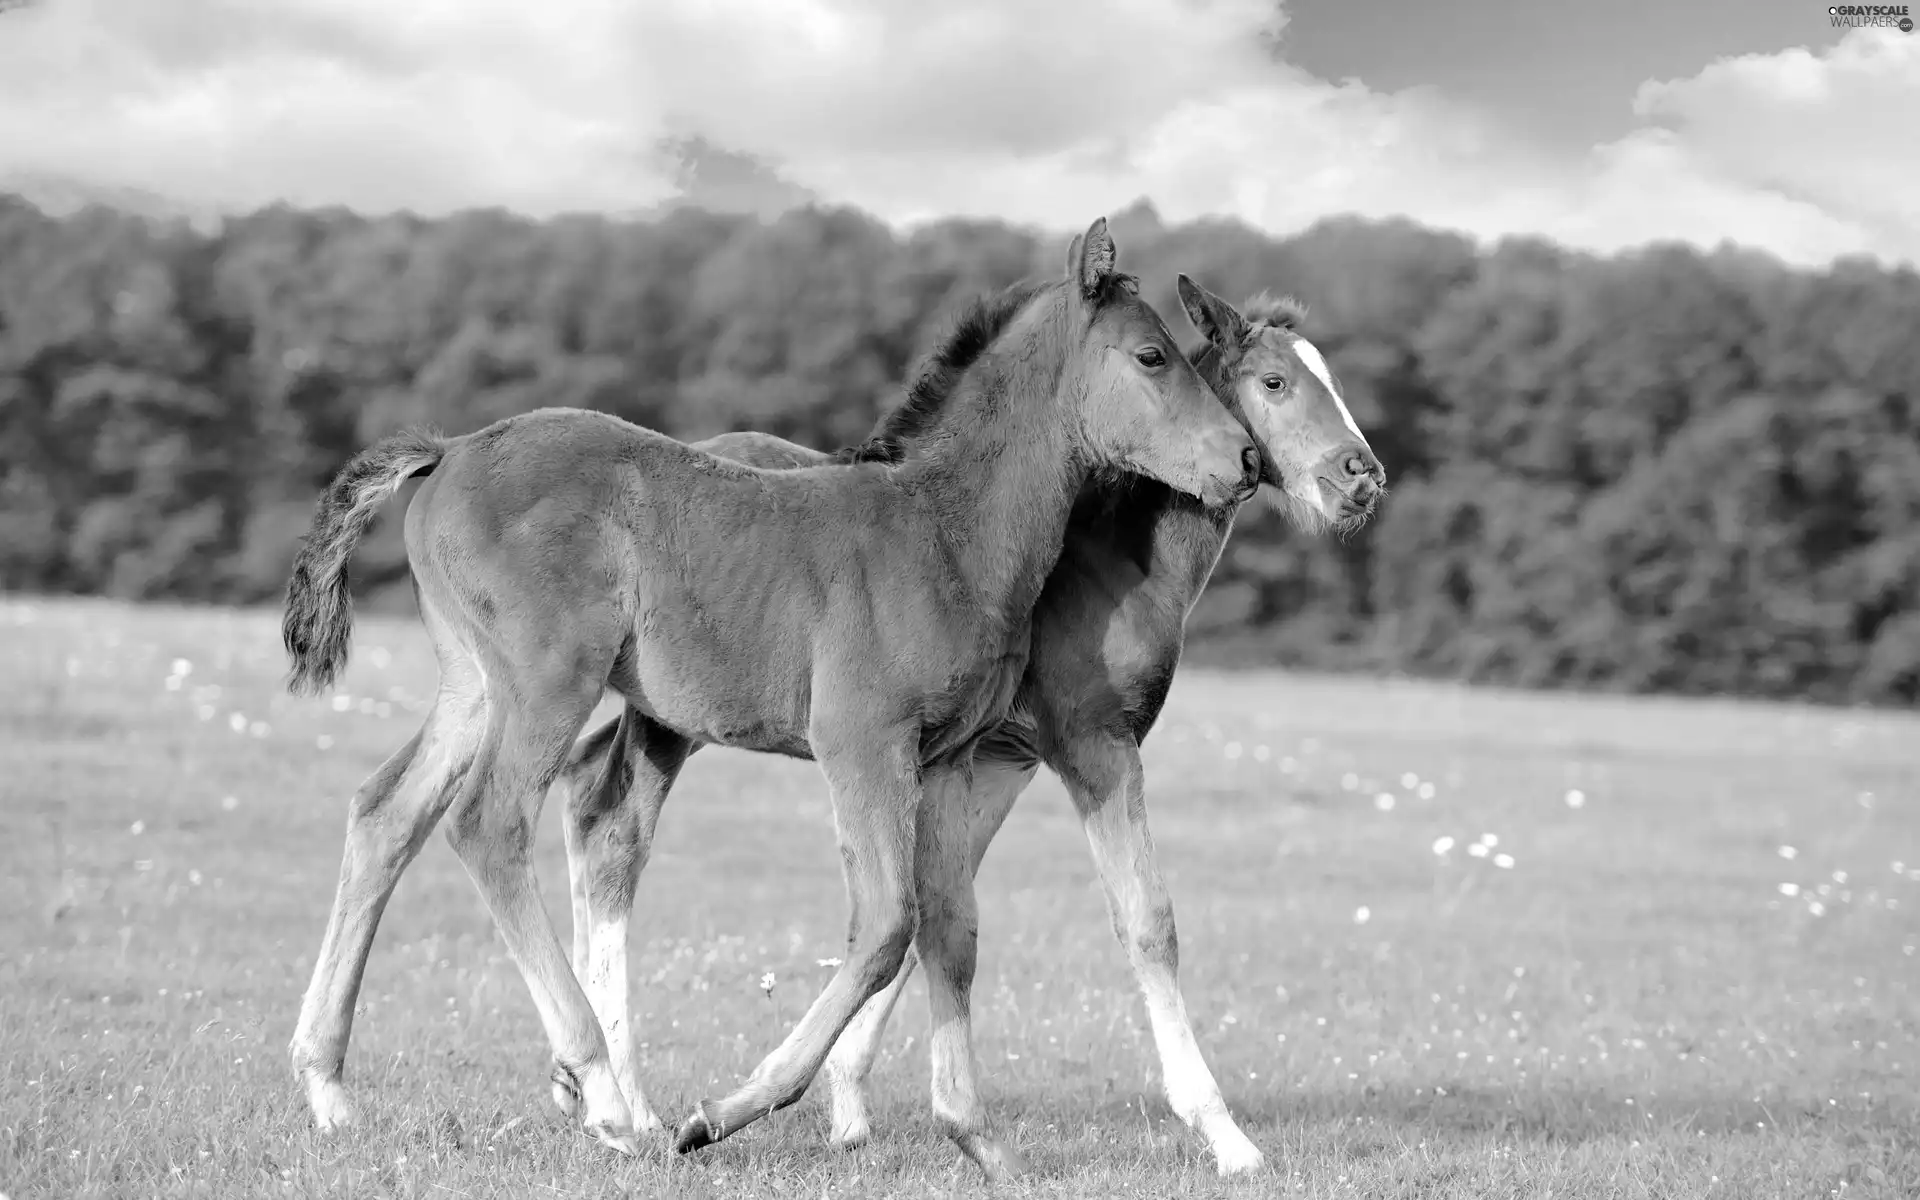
(1151, 357)
(1273, 383)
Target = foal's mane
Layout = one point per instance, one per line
(1266, 308)
(973, 332)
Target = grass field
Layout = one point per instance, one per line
(1687, 967)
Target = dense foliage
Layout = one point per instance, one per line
(1661, 471)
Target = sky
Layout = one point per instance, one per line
(1604, 126)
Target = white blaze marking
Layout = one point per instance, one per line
(1318, 365)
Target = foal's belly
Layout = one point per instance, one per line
(717, 693)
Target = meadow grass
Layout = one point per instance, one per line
(1669, 951)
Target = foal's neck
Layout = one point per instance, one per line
(1187, 541)
(1000, 474)
(1170, 539)
(1187, 538)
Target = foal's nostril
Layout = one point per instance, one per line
(1357, 466)
(1250, 464)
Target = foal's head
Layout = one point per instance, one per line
(1139, 404)
(1274, 380)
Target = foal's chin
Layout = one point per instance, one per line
(1309, 516)
(1326, 508)
(1222, 495)
(1213, 492)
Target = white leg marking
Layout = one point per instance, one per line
(1114, 815)
(606, 987)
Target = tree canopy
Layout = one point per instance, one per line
(1665, 470)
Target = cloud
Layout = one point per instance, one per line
(1831, 133)
(434, 104)
(986, 78)
(1040, 113)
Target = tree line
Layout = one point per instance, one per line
(1665, 470)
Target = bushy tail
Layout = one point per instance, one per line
(319, 616)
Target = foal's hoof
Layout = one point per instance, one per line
(696, 1131)
(626, 1143)
(851, 1128)
(566, 1092)
(332, 1111)
(1239, 1158)
(997, 1159)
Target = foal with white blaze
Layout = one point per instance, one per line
(1107, 637)
(874, 617)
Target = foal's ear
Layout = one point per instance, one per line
(1091, 258)
(1215, 319)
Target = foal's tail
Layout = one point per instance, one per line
(319, 617)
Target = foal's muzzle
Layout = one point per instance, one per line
(1352, 480)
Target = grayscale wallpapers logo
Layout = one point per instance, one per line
(1871, 16)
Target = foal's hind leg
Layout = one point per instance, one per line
(996, 785)
(390, 818)
(947, 940)
(1103, 775)
(530, 731)
(614, 783)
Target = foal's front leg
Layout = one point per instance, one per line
(612, 788)
(1103, 775)
(996, 785)
(947, 941)
(876, 800)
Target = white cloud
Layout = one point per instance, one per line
(991, 78)
(1044, 113)
(1836, 134)
(433, 104)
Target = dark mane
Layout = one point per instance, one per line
(982, 322)
(1268, 309)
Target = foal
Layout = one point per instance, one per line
(1107, 636)
(873, 617)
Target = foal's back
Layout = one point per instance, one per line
(704, 584)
